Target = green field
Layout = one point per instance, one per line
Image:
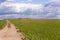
(2, 23)
(39, 30)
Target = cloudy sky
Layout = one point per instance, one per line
(32, 8)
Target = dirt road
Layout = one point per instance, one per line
(10, 33)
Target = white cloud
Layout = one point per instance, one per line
(10, 0)
(9, 6)
(20, 7)
(54, 0)
(58, 17)
(29, 0)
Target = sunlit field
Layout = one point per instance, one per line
(2, 23)
(39, 29)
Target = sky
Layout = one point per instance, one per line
(36, 8)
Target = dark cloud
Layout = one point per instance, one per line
(2, 1)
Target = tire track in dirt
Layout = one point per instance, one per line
(9, 32)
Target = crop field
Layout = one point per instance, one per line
(2, 23)
(39, 29)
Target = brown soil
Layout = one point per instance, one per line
(30, 19)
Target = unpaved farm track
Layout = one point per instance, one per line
(10, 33)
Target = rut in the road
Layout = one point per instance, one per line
(10, 33)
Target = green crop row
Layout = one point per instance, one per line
(39, 29)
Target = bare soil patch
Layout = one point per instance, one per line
(10, 33)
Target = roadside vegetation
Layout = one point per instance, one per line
(2, 23)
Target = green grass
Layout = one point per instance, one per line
(39, 30)
(2, 23)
